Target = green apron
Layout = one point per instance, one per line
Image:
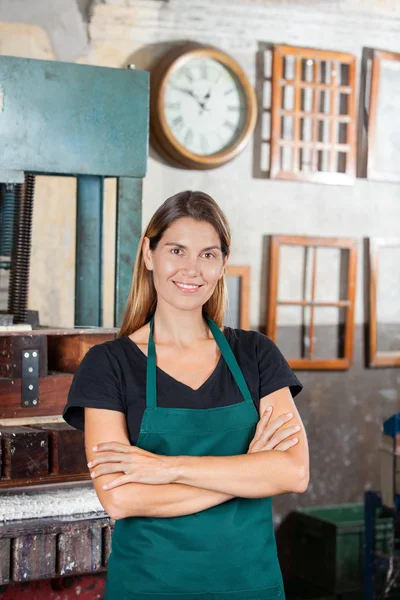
(227, 552)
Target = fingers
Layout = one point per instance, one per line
(266, 429)
(274, 426)
(269, 434)
(287, 444)
(116, 452)
(262, 423)
(117, 482)
(110, 457)
(107, 469)
(280, 436)
(113, 447)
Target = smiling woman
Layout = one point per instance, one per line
(185, 424)
(191, 264)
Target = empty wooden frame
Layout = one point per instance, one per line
(378, 358)
(383, 153)
(345, 304)
(238, 283)
(313, 132)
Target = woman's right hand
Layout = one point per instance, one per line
(270, 435)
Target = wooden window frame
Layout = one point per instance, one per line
(377, 358)
(328, 177)
(243, 272)
(273, 302)
(372, 171)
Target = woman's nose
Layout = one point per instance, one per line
(192, 271)
(191, 267)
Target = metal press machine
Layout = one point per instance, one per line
(90, 123)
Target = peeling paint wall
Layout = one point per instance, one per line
(63, 21)
(120, 32)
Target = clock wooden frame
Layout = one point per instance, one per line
(162, 137)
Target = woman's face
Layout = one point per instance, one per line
(186, 264)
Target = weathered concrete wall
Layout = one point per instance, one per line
(137, 31)
(63, 21)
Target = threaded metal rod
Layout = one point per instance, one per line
(21, 253)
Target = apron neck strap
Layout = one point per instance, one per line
(226, 351)
(151, 372)
(230, 359)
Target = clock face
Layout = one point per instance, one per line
(204, 106)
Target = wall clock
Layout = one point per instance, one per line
(203, 108)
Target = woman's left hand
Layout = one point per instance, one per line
(138, 465)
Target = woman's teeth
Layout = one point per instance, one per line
(187, 286)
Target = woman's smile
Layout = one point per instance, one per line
(187, 288)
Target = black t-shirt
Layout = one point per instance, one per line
(112, 375)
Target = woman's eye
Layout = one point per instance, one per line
(176, 251)
(209, 255)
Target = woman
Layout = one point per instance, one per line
(183, 452)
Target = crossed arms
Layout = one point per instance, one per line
(141, 483)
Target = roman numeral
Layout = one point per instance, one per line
(203, 70)
(173, 105)
(188, 74)
(188, 137)
(177, 123)
(229, 125)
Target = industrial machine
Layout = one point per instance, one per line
(90, 123)
(382, 561)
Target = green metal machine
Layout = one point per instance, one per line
(90, 123)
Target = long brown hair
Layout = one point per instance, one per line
(142, 300)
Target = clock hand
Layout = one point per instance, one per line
(186, 91)
(203, 108)
(208, 95)
(206, 98)
(190, 93)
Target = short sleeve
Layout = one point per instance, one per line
(96, 384)
(274, 370)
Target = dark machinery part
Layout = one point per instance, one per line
(30, 378)
(7, 213)
(377, 562)
(21, 252)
